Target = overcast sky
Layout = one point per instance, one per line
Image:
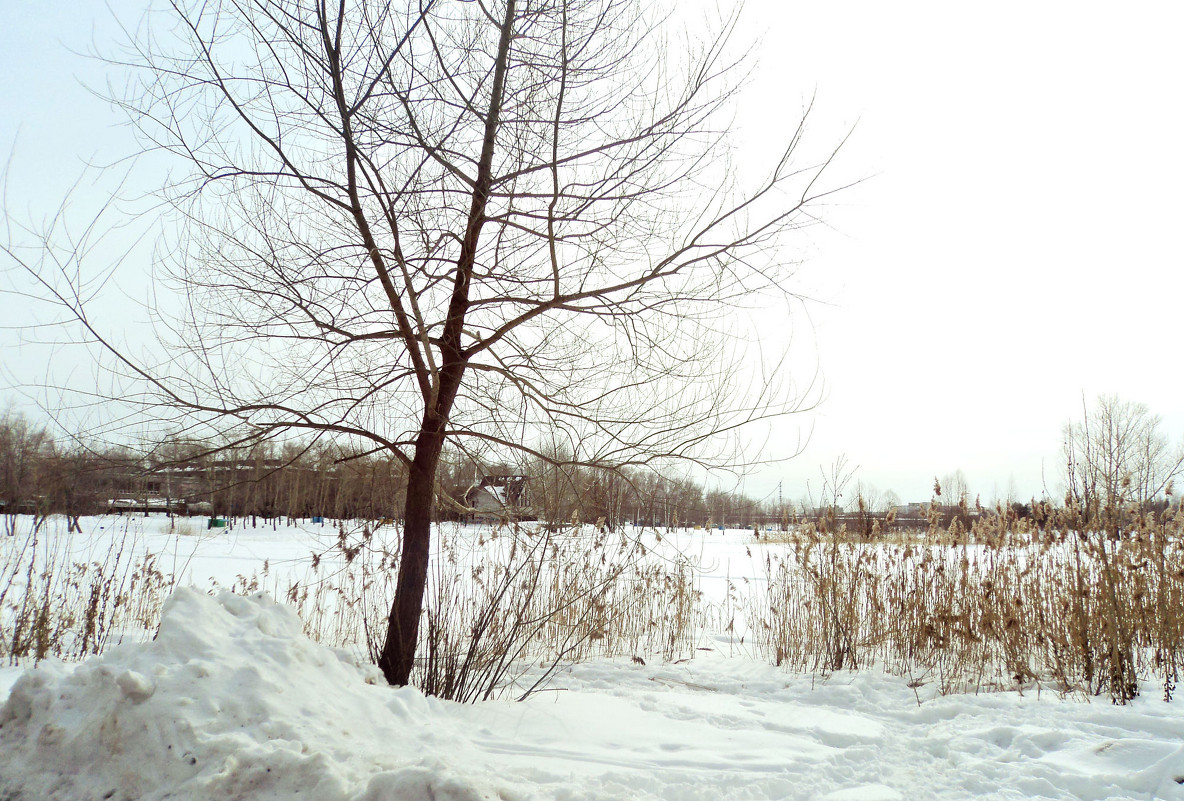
(1015, 245)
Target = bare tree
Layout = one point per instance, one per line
(412, 225)
(1117, 463)
(1117, 455)
(955, 490)
(866, 507)
(25, 450)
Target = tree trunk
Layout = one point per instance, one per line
(398, 653)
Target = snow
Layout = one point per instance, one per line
(232, 701)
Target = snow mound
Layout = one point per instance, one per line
(230, 701)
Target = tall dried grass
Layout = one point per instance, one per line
(505, 607)
(1062, 602)
(55, 602)
(502, 612)
(1083, 602)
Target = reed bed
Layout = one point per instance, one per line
(512, 603)
(59, 600)
(516, 603)
(1001, 606)
(1006, 604)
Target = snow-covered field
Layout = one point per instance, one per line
(231, 701)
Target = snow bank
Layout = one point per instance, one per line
(230, 701)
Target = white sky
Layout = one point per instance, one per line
(1016, 243)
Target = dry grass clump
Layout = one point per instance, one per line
(501, 603)
(1078, 600)
(1006, 604)
(53, 603)
(505, 606)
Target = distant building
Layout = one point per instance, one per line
(499, 498)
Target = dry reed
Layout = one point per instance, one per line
(1005, 605)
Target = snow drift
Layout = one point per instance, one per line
(230, 701)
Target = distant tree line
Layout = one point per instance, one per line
(1116, 457)
(40, 475)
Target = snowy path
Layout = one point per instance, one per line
(728, 728)
(231, 701)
